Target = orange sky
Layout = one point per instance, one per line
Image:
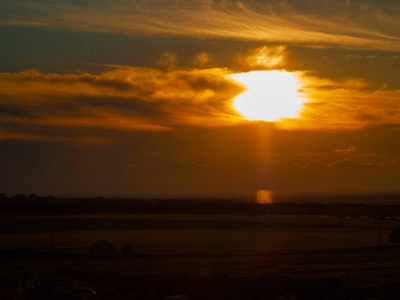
(137, 98)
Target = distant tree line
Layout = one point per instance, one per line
(328, 206)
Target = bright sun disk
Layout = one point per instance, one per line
(269, 95)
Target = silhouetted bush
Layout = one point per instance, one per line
(127, 250)
(394, 236)
(25, 252)
(102, 249)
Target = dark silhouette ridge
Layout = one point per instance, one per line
(344, 206)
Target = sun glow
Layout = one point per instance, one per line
(264, 197)
(269, 95)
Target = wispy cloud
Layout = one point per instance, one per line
(351, 149)
(348, 163)
(316, 164)
(343, 163)
(350, 24)
(265, 57)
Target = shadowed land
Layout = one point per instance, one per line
(330, 274)
(320, 251)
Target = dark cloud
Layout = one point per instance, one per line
(55, 2)
(316, 165)
(15, 111)
(347, 163)
(32, 76)
(368, 117)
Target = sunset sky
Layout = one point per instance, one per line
(205, 98)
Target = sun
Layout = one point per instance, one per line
(269, 95)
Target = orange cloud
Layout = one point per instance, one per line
(201, 60)
(345, 104)
(125, 98)
(138, 99)
(265, 57)
(168, 60)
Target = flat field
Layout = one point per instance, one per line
(198, 250)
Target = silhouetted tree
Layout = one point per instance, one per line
(102, 249)
(20, 197)
(394, 236)
(127, 250)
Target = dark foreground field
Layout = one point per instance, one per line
(366, 273)
(198, 257)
